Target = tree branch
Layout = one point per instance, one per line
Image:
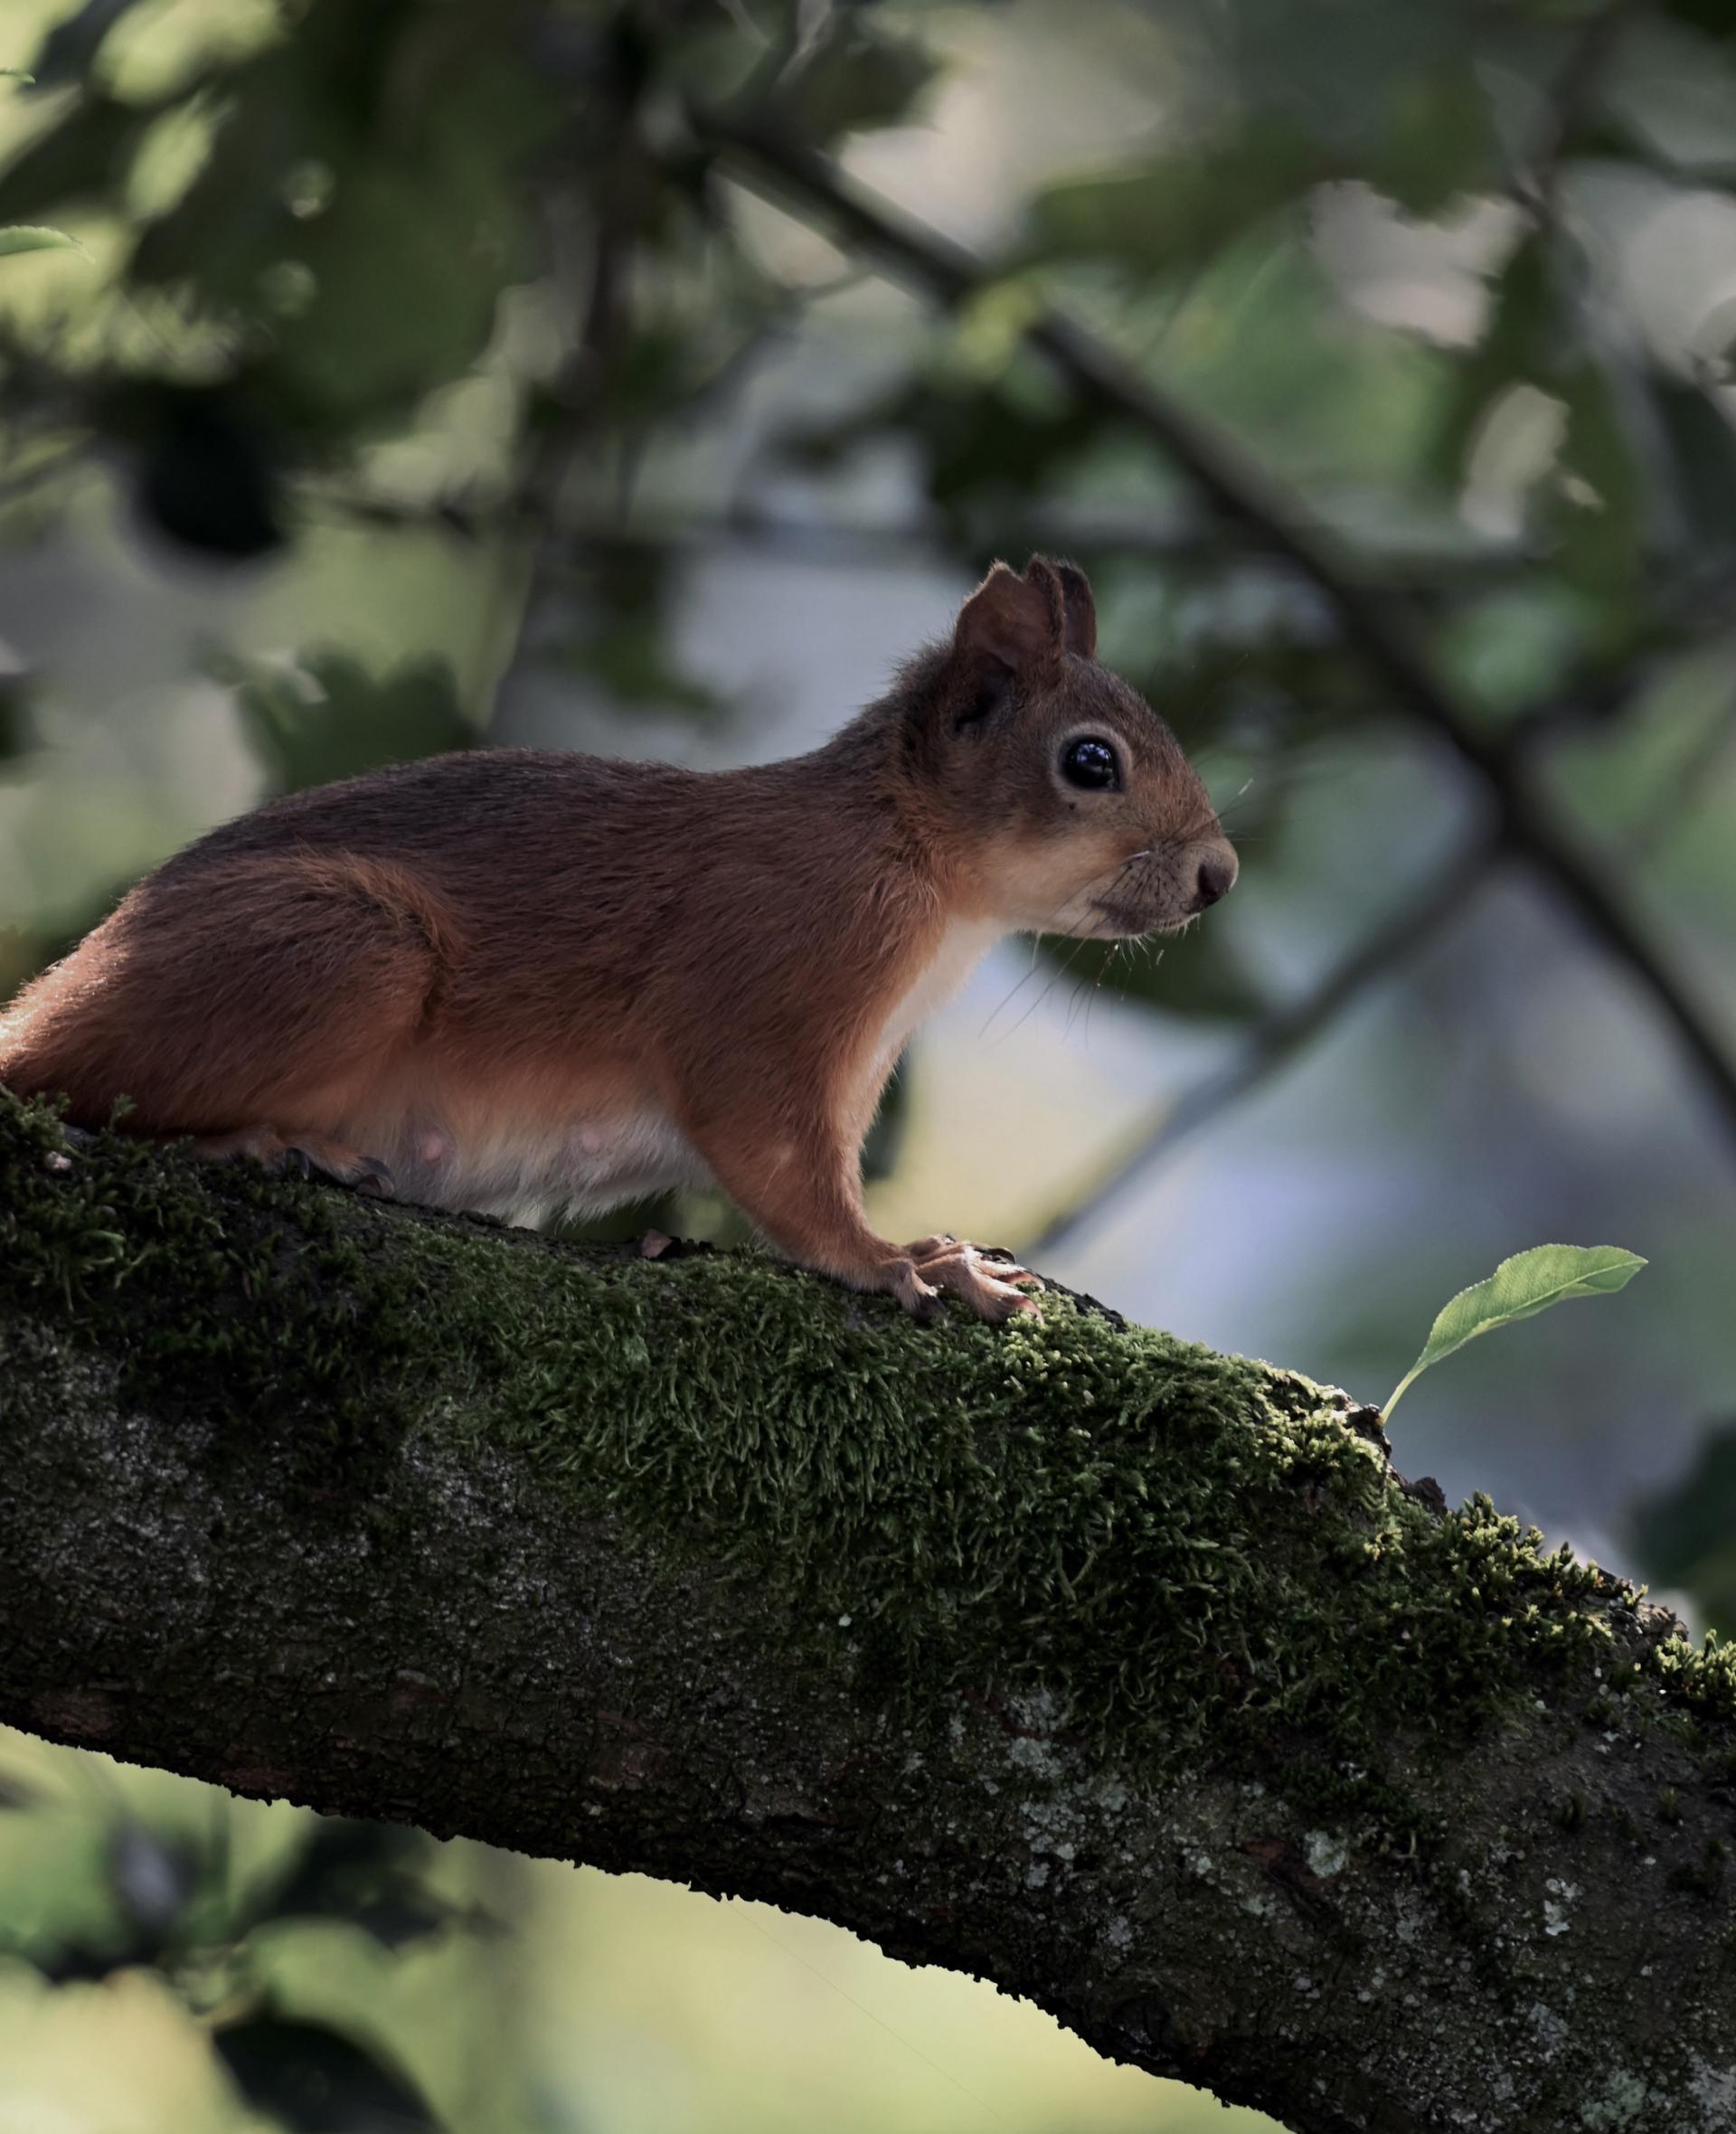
(1126, 1675)
(795, 175)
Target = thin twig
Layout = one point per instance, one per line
(1275, 1040)
(1247, 498)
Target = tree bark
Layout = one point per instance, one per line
(1129, 1676)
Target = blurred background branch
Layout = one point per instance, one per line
(1249, 502)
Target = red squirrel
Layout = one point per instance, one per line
(518, 981)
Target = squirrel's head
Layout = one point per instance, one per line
(1070, 800)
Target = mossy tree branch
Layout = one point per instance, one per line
(1128, 1676)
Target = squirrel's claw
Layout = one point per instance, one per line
(980, 1277)
(919, 1298)
(343, 1166)
(307, 1155)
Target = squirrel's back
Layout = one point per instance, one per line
(431, 956)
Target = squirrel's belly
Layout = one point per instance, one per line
(523, 1170)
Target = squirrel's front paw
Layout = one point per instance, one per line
(965, 1270)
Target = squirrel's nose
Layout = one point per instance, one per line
(1216, 877)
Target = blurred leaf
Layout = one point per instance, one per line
(1339, 69)
(69, 47)
(982, 448)
(373, 1876)
(421, 217)
(153, 1877)
(1590, 510)
(326, 717)
(1517, 345)
(1393, 96)
(208, 473)
(1601, 516)
(1182, 205)
(1673, 95)
(853, 76)
(1702, 442)
(145, 1888)
(1712, 16)
(1528, 1283)
(78, 1962)
(1521, 641)
(16, 1793)
(1250, 658)
(1261, 345)
(28, 237)
(316, 2080)
(85, 156)
(668, 364)
(1437, 142)
(613, 626)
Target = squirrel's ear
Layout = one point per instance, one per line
(1012, 622)
(1081, 631)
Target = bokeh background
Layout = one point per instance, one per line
(427, 373)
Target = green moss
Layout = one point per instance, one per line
(271, 1303)
(1200, 1549)
(1197, 1553)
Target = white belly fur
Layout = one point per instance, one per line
(526, 1173)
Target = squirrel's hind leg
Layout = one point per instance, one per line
(260, 1004)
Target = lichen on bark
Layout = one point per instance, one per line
(1152, 1643)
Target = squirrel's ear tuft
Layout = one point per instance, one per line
(1081, 631)
(1012, 621)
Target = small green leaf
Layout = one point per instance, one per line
(16, 74)
(32, 237)
(1528, 1283)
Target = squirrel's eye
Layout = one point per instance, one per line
(1091, 763)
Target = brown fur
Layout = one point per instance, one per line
(524, 979)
